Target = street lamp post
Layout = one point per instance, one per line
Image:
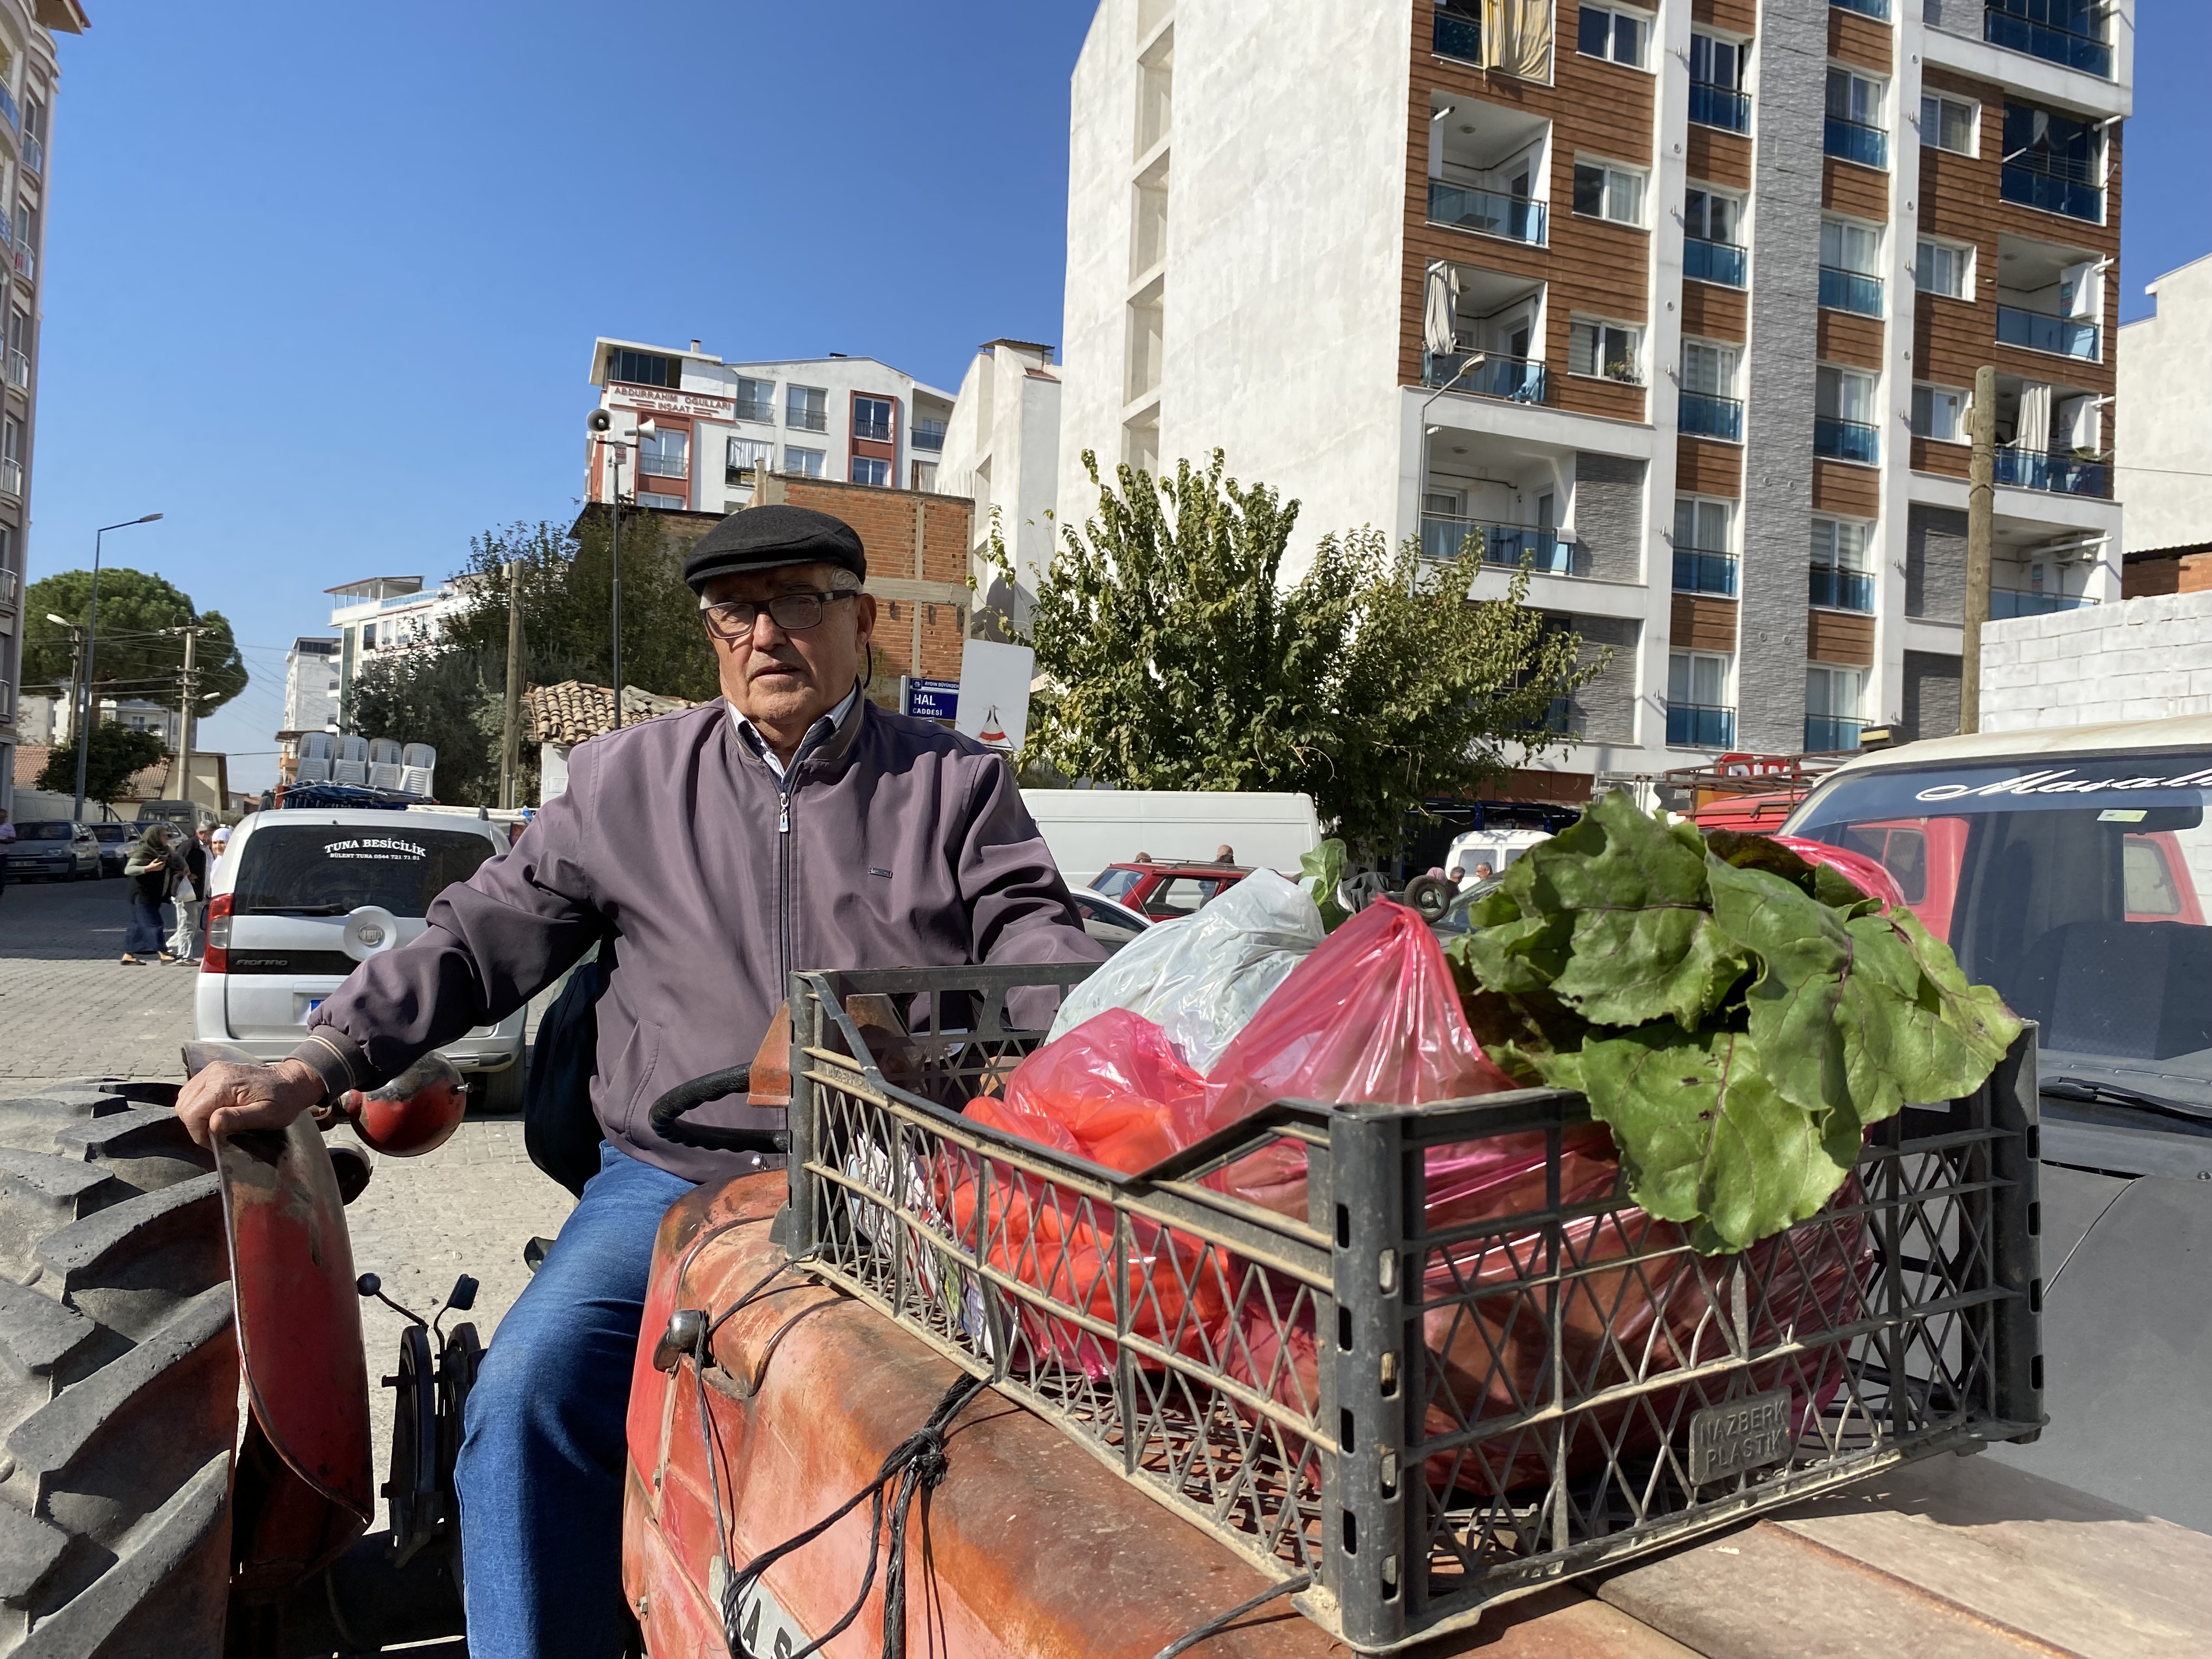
(602, 423)
(91, 650)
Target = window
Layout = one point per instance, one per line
(1703, 525)
(1855, 98)
(1831, 707)
(1940, 412)
(866, 470)
(746, 457)
(1710, 216)
(1709, 370)
(806, 408)
(1856, 129)
(1841, 580)
(1944, 267)
(1847, 247)
(1843, 394)
(663, 453)
(1612, 351)
(660, 503)
(806, 463)
(1698, 710)
(872, 419)
(924, 474)
(1947, 124)
(643, 367)
(1605, 191)
(756, 400)
(1618, 36)
(1717, 63)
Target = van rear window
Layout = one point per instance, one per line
(330, 869)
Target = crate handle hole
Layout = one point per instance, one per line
(1343, 1330)
(1351, 1532)
(1388, 1374)
(1386, 1273)
(1389, 1474)
(1344, 1434)
(1343, 1227)
(1389, 1578)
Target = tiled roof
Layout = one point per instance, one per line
(573, 711)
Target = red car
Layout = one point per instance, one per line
(1164, 892)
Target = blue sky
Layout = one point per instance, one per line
(322, 281)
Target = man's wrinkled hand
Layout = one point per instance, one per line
(225, 1099)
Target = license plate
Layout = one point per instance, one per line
(765, 1630)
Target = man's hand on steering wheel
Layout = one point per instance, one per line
(225, 1099)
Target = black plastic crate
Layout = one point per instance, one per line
(1426, 1410)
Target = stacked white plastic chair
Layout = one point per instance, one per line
(315, 769)
(415, 781)
(349, 771)
(419, 754)
(353, 748)
(319, 746)
(384, 774)
(383, 751)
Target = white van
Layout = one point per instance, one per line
(303, 896)
(1497, 846)
(1088, 829)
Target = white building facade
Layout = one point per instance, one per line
(29, 72)
(1002, 452)
(312, 684)
(2165, 459)
(714, 423)
(375, 615)
(1675, 307)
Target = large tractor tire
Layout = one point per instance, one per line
(118, 1380)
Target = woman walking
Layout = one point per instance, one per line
(151, 874)
(189, 895)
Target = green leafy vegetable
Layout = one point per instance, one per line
(1737, 1015)
(1321, 871)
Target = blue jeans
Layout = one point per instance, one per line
(541, 1466)
(148, 931)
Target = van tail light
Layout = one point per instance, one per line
(214, 959)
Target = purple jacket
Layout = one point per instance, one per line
(893, 843)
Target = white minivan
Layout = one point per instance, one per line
(305, 896)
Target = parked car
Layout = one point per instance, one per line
(53, 849)
(1112, 924)
(115, 841)
(305, 896)
(1162, 892)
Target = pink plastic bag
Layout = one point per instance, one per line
(1372, 1015)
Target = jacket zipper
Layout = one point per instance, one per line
(783, 881)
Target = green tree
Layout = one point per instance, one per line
(1176, 657)
(451, 697)
(113, 755)
(134, 658)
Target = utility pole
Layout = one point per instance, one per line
(1981, 526)
(510, 740)
(615, 556)
(91, 652)
(187, 704)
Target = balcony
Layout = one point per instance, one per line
(1851, 290)
(929, 434)
(7, 587)
(1876, 9)
(1695, 725)
(2005, 603)
(35, 156)
(1855, 141)
(1697, 571)
(1720, 106)
(1559, 717)
(1486, 212)
(19, 370)
(26, 263)
(1827, 733)
(664, 466)
(2033, 26)
(11, 478)
(2061, 474)
(1513, 379)
(1830, 589)
(1712, 262)
(2038, 332)
(806, 420)
(1705, 416)
(1445, 536)
(762, 412)
(874, 432)
(2054, 184)
(9, 112)
(1457, 37)
(1846, 440)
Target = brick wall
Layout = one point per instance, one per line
(2139, 659)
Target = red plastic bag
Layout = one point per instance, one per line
(1106, 1091)
(1373, 1015)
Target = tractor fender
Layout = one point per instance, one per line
(304, 1489)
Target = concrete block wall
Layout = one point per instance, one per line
(2143, 658)
(1609, 516)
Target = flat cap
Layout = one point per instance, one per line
(771, 536)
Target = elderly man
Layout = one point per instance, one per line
(793, 825)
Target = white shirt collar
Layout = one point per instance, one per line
(819, 733)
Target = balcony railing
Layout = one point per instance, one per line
(764, 413)
(1695, 725)
(664, 466)
(1712, 262)
(2054, 184)
(2060, 474)
(1840, 590)
(1855, 141)
(9, 112)
(1487, 212)
(19, 370)
(1851, 290)
(11, 478)
(1846, 440)
(27, 263)
(806, 420)
(1865, 7)
(1704, 416)
(1445, 536)
(2038, 332)
(2027, 26)
(35, 156)
(929, 434)
(875, 432)
(7, 585)
(1457, 37)
(1697, 571)
(2006, 604)
(740, 475)
(1826, 733)
(1559, 717)
(1515, 380)
(1720, 106)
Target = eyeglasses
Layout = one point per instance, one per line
(794, 613)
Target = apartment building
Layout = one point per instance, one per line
(376, 614)
(1002, 452)
(2165, 465)
(1679, 302)
(28, 73)
(853, 420)
(311, 683)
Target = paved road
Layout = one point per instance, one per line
(69, 1009)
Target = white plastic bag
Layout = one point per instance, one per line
(1200, 977)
